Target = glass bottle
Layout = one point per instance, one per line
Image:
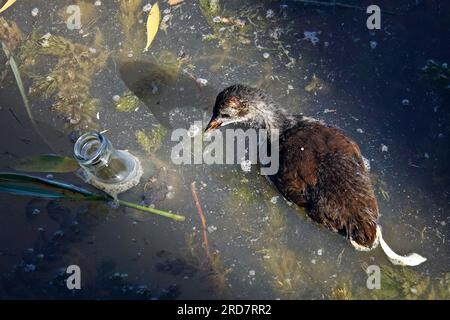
(101, 162)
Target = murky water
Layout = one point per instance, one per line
(368, 83)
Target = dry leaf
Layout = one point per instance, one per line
(153, 20)
(8, 4)
(174, 2)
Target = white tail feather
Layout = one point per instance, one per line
(411, 260)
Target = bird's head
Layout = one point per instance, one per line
(237, 103)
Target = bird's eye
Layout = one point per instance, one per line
(225, 115)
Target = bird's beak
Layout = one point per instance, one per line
(212, 125)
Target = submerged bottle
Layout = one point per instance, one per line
(111, 170)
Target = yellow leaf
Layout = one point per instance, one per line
(152, 25)
(8, 4)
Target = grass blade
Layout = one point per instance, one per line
(47, 163)
(18, 77)
(166, 214)
(26, 185)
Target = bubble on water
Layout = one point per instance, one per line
(202, 82)
(274, 200)
(252, 273)
(29, 268)
(116, 98)
(319, 252)
(35, 12)
(312, 36)
(373, 44)
(97, 3)
(147, 7)
(270, 14)
(405, 102)
(211, 229)
(170, 195)
(384, 148)
(266, 55)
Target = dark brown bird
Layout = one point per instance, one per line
(320, 168)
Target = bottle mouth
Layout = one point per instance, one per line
(90, 147)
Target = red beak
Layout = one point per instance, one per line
(212, 125)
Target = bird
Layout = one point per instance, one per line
(320, 168)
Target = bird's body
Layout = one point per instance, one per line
(320, 168)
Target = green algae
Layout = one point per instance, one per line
(407, 283)
(128, 102)
(69, 81)
(151, 142)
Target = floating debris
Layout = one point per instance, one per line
(174, 3)
(211, 229)
(202, 82)
(314, 85)
(405, 102)
(153, 21)
(8, 4)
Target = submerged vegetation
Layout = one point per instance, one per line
(127, 102)
(406, 283)
(69, 82)
(151, 142)
(438, 73)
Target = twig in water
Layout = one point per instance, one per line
(202, 219)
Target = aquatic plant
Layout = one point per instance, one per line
(224, 28)
(406, 283)
(47, 163)
(69, 82)
(341, 291)
(151, 142)
(130, 12)
(438, 73)
(25, 185)
(283, 268)
(128, 102)
(217, 272)
(10, 34)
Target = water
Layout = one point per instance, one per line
(267, 248)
